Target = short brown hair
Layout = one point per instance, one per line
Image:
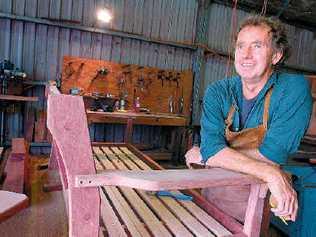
(278, 31)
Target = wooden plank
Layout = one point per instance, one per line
(130, 219)
(112, 223)
(40, 127)
(17, 167)
(18, 98)
(152, 222)
(53, 181)
(140, 118)
(18, 146)
(166, 179)
(180, 212)
(195, 210)
(158, 207)
(68, 125)
(11, 203)
(252, 224)
(227, 221)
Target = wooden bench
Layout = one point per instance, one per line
(12, 197)
(106, 186)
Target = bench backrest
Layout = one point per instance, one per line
(67, 123)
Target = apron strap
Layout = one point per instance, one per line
(229, 119)
(266, 108)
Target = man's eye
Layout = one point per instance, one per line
(257, 46)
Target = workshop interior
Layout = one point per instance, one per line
(121, 83)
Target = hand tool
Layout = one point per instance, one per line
(176, 196)
(273, 205)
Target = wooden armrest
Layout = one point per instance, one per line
(167, 179)
(11, 203)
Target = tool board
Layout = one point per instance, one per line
(159, 90)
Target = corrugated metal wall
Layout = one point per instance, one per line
(302, 41)
(38, 48)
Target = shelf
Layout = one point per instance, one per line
(18, 98)
(158, 119)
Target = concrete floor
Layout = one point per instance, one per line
(45, 217)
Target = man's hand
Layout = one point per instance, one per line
(283, 195)
(193, 156)
(251, 163)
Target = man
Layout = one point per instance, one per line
(252, 122)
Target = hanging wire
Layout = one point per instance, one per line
(233, 30)
(264, 8)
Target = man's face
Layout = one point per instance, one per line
(254, 55)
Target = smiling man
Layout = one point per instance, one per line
(251, 123)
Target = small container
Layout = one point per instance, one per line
(122, 104)
(137, 104)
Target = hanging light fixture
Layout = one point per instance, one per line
(104, 15)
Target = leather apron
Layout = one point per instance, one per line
(233, 199)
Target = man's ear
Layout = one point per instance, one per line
(276, 57)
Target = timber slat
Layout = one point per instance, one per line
(196, 227)
(182, 218)
(129, 218)
(195, 210)
(152, 222)
(156, 204)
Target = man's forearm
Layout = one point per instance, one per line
(255, 154)
(237, 161)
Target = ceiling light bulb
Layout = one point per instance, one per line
(104, 15)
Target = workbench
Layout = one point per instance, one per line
(176, 122)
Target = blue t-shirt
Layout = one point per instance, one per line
(289, 114)
(245, 109)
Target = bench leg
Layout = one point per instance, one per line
(254, 212)
(83, 212)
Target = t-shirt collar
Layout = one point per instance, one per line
(236, 88)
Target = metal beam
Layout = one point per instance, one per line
(199, 56)
(64, 24)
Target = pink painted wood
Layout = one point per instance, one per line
(166, 179)
(72, 151)
(11, 203)
(12, 199)
(16, 167)
(68, 125)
